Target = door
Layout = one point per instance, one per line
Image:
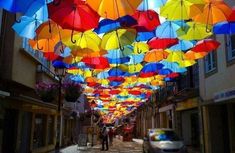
(10, 131)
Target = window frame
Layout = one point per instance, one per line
(215, 68)
(229, 59)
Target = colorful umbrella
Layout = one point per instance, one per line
(118, 39)
(191, 55)
(44, 45)
(87, 39)
(114, 9)
(96, 62)
(74, 15)
(151, 4)
(147, 20)
(183, 45)
(213, 12)
(224, 28)
(206, 45)
(48, 30)
(155, 55)
(162, 43)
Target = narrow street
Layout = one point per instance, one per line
(118, 147)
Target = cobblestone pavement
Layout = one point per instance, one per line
(118, 147)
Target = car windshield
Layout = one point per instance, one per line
(163, 135)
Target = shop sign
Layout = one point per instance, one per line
(224, 95)
(188, 104)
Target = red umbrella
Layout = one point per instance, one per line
(173, 75)
(51, 56)
(146, 75)
(96, 62)
(114, 92)
(206, 45)
(147, 20)
(231, 18)
(135, 92)
(74, 15)
(116, 78)
(162, 43)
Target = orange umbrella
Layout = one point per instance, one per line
(113, 9)
(48, 30)
(86, 52)
(44, 45)
(191, 55)
(155, 55)
(213, 12)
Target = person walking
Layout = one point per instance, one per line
(111, 133)
(105, 138)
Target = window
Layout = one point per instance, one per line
(230, 47)
(210, 62)
(50, 133)
(39, 131)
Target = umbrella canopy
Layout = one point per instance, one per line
(162, 43)
(152, 67)
(96, 62)
(183, 45)
(197, 31)
(140, 47)
(147, 20)
(145, 36)
(155, 55)
(213, 12)
(191, 55)
(118, 39)
(136, 58)
(74, 15)
(21, 5)
(181, 9)
(168, 29)
(87, 39)
(224, 28)
(206, 45)
(173, 67)
(151, 4)
(114, 9)
(44, 45)
(26, 27)
(48, 30)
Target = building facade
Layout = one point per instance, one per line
(217, 96)
(27, 124)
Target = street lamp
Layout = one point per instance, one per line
(60, 73)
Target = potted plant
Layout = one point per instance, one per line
(46, 91)
(72, 91)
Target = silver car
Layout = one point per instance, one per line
(163, 141)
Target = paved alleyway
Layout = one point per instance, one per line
(118, 147)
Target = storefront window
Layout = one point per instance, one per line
(50, 133)
(39, 131)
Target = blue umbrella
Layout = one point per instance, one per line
(173, 66)
(22, 6)
(136, 58)
(168, 29)
(115, 83)
(107, 25)
(103, 75)
(127, 21)
(183, 45)
(117, 53)
(224, 28)
(116, 72)
(59, 64)
(119, 60)
(151, 4)
(152, 67)
(26, 28)
(77, 78)
(41, 13)
(165, 71)
(145, 36)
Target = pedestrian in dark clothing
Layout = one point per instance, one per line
(104, 138)
(111, 133)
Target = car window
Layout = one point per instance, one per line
(161, 135)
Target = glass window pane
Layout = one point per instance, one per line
(39, 131)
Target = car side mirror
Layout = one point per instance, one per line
(146, 139)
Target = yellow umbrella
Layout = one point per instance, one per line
(175, 56)
(118, 39)
(186, 63)
(196, 31)
(114, 9)
(140, 47)
(176, 10)
(87, 39)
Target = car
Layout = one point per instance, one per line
(163, 141)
